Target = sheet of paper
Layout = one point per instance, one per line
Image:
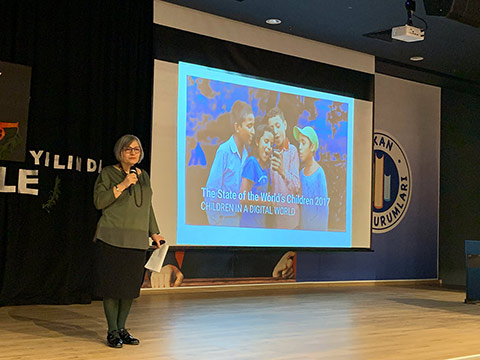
(155, 262)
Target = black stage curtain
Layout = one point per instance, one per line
(92, 71)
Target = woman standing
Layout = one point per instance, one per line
(124, 194)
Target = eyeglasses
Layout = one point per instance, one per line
(135, 150)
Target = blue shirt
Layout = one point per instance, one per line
(314, 216)
(260, 179)
(225, 174)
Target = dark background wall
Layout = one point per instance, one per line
(459, 181)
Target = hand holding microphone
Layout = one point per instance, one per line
(131, 179)
(133, 170)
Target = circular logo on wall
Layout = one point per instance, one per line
(392, 182)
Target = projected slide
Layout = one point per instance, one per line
(261, 163)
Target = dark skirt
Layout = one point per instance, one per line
(119, 271)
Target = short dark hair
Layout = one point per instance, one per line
(259, 131)
(240, 109)
(274, 112)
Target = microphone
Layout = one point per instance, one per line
(133, 170)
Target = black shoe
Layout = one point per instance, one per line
(114, 340)
(127, 338)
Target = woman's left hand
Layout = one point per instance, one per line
(158, 240)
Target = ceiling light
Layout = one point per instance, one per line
(273, 21)
(416, 58)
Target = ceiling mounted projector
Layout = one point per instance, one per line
(408, 33)
(405, 33)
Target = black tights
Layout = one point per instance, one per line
(116, 312)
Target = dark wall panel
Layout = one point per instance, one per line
(459, 181)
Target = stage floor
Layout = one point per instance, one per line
(290, 322)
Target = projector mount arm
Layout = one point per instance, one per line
(411, 7)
